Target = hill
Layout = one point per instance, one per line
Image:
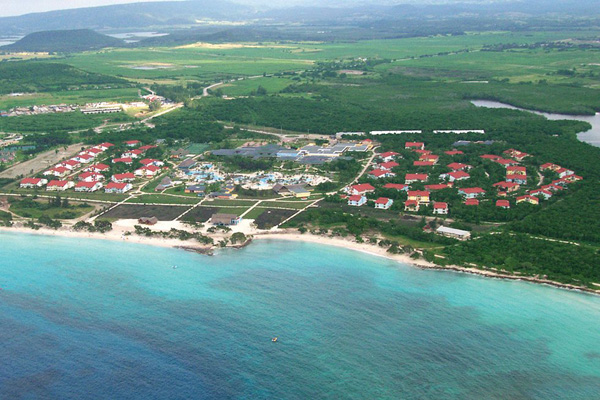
(166, 14)
(64, 41)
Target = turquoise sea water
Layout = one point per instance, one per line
(92, 319)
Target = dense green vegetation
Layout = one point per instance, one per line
(43, 76)
(529, 256)
(58, 122)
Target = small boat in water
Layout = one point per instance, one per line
(274, 340)
(174, 266)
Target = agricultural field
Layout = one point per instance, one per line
(176, 64)
(515, 65)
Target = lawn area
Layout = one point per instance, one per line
(255, 213)
(163, 199)
(30, 208)
(296, 205)
(233, 202)
(246, 86)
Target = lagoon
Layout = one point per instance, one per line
(592, 136)
(91, 319)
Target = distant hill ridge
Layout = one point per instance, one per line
(64, 41)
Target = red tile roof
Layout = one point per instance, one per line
(363, 187)
(472, 202)
(423, 163)
(382, 200)
(419, 177)
(440, 205)
(397, 186)
(502, 203)
(420, 193)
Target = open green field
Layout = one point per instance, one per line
(63, 122)
(246, 86)
(516, 65)
(214, 62)
(168, 64)
(79, 97)
(163, 199)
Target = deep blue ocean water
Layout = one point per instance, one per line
(92, 319)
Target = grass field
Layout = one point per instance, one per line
(163, 199)
(211, 63)
(520, 65)
(246, 86)
(174, 64)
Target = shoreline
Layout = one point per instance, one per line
(118, 235)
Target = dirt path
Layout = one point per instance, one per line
(41, 162)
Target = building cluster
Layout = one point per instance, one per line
(386, 166)
(84, 173)
(311, 154)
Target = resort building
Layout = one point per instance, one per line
(420, 196)
(32, 183)
(115, 187)
(471, 202)
(471, 193)
(357, 200)
(507, 186)
(126, 161)
(411, 205)
(503, 204)
(388, 156)
(546, 194)
(88, 186)
(360, 189)
(383, 203)
(59, 186)
(411, 178)
(459, 166)
(414, 145)
(90, 177)
(419, 163)
(225, 219)
(528, 199)
(97, 168)
(453, 233)
(126, 177)
(455, 176)
(440, 208)
(381, 173)
(396, 186)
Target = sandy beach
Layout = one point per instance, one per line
(121, 227)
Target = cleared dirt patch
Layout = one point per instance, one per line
(41, 162)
